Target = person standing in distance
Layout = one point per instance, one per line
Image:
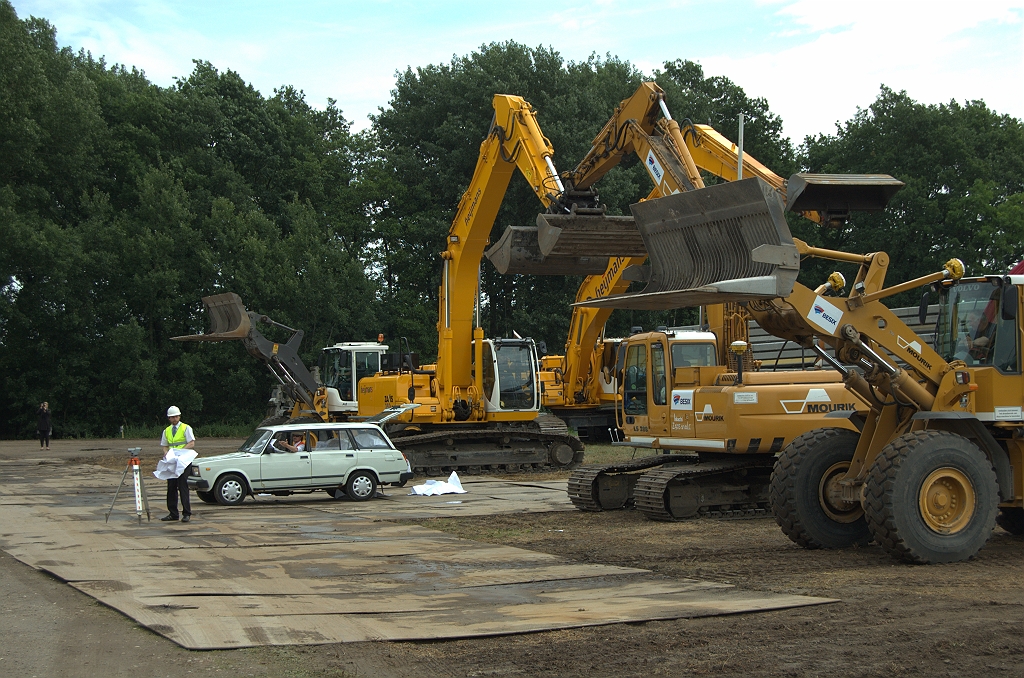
(44, 427)
(178, 436)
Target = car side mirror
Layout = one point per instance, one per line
(1009, 302)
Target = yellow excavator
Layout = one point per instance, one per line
(479, 404)
(937, 460)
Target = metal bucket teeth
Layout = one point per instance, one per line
(518, 252)
(228, 318)
(728, 242)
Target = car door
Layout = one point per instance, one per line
(284, 470)
(331, 458)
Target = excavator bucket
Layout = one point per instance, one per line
(518, 252)
(567, 235)
(228, 316)
(728, 242)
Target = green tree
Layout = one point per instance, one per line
(963, 166)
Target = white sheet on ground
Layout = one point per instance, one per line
(174, 463)
(452, 486)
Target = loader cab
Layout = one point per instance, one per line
(978, 323)
(342, 366)
(510, 375)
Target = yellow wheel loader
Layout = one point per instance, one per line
(937, 459)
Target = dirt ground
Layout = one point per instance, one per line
(893, 619)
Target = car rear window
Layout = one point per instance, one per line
(370, 439)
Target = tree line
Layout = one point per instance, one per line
(122, 203)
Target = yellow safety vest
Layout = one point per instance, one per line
(176, 440)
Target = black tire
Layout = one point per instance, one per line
(206, 497)
(361, 486)
(1011, 520)
(914, 478)
(274, 421)
(230, 489)
(803, 508)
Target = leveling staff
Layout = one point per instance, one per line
(178, 436)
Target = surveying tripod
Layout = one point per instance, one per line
(141, 501)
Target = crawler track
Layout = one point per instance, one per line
(544, 446)
(677, 486)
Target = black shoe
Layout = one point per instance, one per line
(185, 519)
(168, 518)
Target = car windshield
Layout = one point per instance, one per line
(256, 442)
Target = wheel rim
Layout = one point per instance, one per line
(231, 490)
(830, 495)
(362, 486)
(947, 500)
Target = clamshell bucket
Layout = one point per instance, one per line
(228, 317)
(724, 243)
(568, 235)
(518, 252)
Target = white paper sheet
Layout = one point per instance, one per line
(434, 487)
(174, 463)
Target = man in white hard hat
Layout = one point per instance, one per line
(178, 436)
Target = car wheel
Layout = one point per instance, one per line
(230, 490)
(361, 485)
(207, 497)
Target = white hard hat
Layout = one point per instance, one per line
(173, 411)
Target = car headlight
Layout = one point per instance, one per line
(195, 470)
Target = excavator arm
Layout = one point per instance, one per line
(513, 141)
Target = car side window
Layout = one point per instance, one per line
(370, 439)
(335, 440)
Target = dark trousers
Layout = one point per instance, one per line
(44, 438)
(179, 486)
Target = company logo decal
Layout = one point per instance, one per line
(654, 167)
(914, 349)
(816, 402)
(682, 399)
(825, 315)
(707, 414)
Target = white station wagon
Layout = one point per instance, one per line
(343, 459)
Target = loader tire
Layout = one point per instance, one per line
(931, 497)
(804, 508)
(1011, 520)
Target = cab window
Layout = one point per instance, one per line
(693, 355)
(658, 373)
(634, 385)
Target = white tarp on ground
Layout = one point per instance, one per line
(433, 487)
(174, 463)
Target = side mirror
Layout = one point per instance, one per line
(922, 310)
(1009, 302)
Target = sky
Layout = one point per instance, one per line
(814, 61)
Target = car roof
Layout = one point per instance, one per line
(318, 426)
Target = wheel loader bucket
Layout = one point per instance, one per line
(228, 317)
(517, 251)
(589, 236)
(724, 243)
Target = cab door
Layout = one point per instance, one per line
(634, 391)
(658, 393)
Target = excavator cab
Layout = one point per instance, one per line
(342, 366)
(510, 368)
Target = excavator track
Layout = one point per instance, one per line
(508, 449)
(605, 487)
(721, 488)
